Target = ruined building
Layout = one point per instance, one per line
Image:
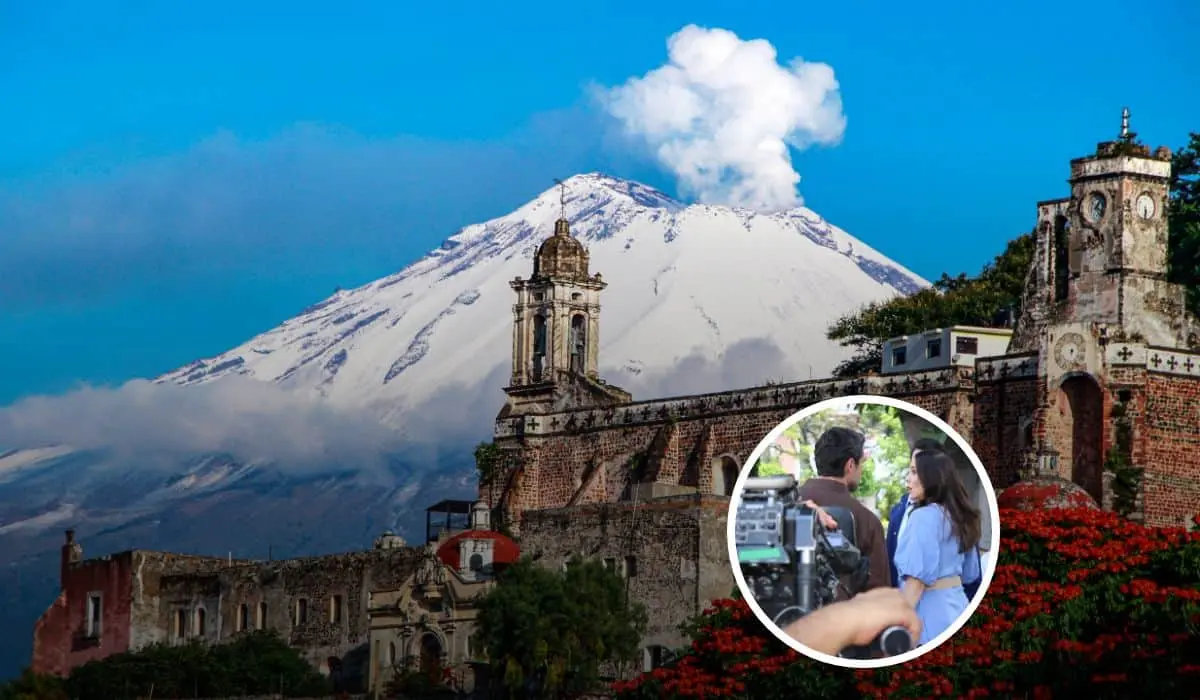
(356, 616)
(1102, 364)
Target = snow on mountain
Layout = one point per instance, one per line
(684, 282)
(704, 277)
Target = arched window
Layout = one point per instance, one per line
(1062, 252)
(653, 656)
(201, 619)
(475, 563)
(578, 343)
(243, 617)
(262, 616)
(539, 345)
(724, 475)
(391, 659)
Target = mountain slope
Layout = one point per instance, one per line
(426, 352)
(706, 277)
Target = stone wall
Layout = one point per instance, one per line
(129, 587)
(1169, 449)
(147, 594)
(335, 592)
(606, 454)
(1003, 430)
(672, 552)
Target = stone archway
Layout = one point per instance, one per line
(1076, 431)
(431, 656)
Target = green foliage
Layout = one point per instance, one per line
(1183, 242)
(952, 301)
(417, 683)
(891, 451)
(256, 663)
(488, 461)
(34, 686)
(547, 632)
(1126, 478)
(883, 474)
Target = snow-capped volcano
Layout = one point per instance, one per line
(683, 280)
(197, 464)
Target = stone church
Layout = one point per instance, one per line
(1103, 365)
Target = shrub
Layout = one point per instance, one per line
(1083, 602)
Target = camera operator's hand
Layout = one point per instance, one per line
(858, 621)
(825, 518)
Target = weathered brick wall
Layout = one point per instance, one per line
(599, 456)
(1003, 427)
(60, 639)
(672, 551)
(129, 587)
(1168, 447)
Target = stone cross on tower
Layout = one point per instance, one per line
(562, 199)
(556, 325)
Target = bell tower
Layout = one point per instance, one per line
(556, 329)
(1114, 235)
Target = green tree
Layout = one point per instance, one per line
(34, 686)
(883, 430)
(951, 301)
(255, 663)
(889, 458)
(1183, 212)
(547, 632)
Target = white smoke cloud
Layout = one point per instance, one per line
(723, 112)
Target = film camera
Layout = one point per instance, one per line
(793, 564)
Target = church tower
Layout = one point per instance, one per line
(1100, 314)
(1116, 243)
(556, 331)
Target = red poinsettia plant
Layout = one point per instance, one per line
(1083, 603)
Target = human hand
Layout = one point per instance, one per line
(880, 608)
(855, 622)
(825, 518)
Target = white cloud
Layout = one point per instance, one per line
(723, 112)
(157, 423)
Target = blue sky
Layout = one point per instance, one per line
(174, 180)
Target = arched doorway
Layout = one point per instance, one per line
(1077, 432)
(431, 657)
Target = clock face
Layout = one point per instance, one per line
(1145, 206)
(1095, 206)
(1068, 351)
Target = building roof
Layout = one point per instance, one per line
(561, 255)
(451, 505)
(504, 551)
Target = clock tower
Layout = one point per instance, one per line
(1115, 244)
(1097, 298)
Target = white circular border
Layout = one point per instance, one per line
(993, 509)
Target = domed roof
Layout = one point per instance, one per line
(561, 255)
(504, 550)
(1043, 492)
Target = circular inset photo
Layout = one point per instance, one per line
(863, 531)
